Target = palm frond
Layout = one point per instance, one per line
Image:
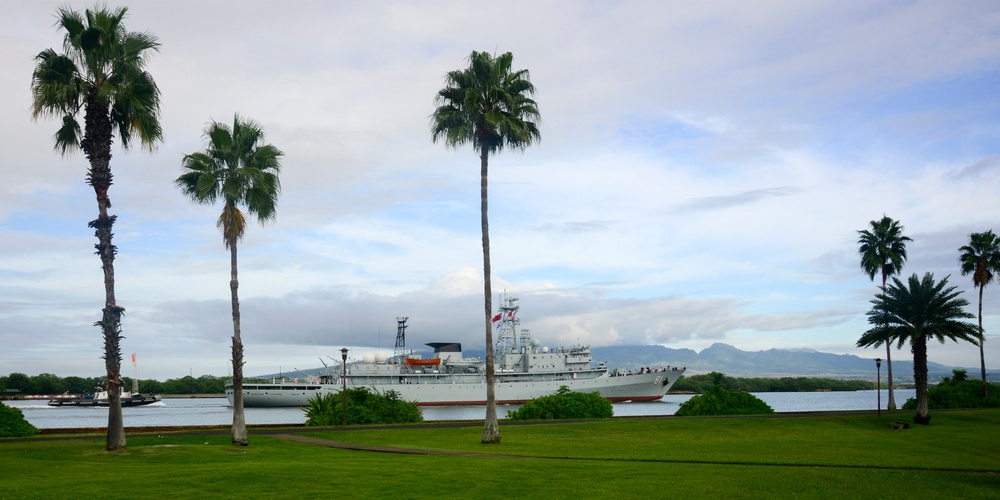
(103, 60)
(981, 257)
(922, 307)
(238, 168)
(487, 105)
(882, 247)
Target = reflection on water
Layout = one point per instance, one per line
(216, 411)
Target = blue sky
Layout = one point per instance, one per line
(703, 170)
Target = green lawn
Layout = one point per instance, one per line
(851, 456)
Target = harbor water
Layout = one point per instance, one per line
(178, 412)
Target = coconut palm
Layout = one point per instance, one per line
(238, 168)
(981, 258)
(487, 105)
(913, 313)
(883, 251)
(101, 73)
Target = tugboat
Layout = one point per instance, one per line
(100, 398)
(524, 370)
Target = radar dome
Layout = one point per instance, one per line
(381, 356)
(545, 350)
(535, 342)
(368, 357)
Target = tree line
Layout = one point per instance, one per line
(47, 383)
(702, 383)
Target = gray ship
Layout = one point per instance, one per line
(523, 371)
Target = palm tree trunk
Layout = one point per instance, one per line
(96, 144)
(491, 427)
(239, 430)
(891, 403)
(982, 338)
(982, 364)
(919, 349)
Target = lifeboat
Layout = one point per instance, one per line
(423, 362)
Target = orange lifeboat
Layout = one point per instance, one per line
(423, 362)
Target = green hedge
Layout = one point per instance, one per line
(564, 405)
(13, 424)
(363, 408)
(959, 392)
(718, 400)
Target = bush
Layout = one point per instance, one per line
(721, 401)
(564, 405)
(959, 392)
(363, 408)
(13, 424)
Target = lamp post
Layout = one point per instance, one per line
(878, 383)
(343, 357)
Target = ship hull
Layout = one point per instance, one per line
(442, 389)
(137, 400)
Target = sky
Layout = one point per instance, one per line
(703, 170)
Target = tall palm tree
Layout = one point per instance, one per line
(913, 313)
(883, 250)
(487, 105)
(238, 168)
(981, 258)
(102, 73)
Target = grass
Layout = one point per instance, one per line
(839, 456)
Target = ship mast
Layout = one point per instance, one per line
(400, 352)
(507, 335)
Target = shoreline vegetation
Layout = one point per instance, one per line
(19, 385)
(776, 456)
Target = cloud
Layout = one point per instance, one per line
(703, 171)
(979, 168)
(745, 198)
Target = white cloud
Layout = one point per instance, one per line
(702, 173)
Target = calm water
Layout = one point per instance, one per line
(216, 411)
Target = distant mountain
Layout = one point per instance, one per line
(770, 363)
(737, 363)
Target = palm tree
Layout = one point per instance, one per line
(101, 73)
(242, 171)
(913, 313)
(489, 106)
(981, 258)
(883, 250)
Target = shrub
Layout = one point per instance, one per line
(959, 392)
(363, 408)
(564, 405)
(13, 424)
(721, 401)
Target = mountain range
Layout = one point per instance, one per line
(770, 363)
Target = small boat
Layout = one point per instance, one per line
(100, 399)
(423, 362)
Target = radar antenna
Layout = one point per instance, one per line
(400, 352)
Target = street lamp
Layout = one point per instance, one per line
(343, 357)
(878, 383)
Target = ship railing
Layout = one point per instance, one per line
(622, 372)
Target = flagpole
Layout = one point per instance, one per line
(135, 380)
